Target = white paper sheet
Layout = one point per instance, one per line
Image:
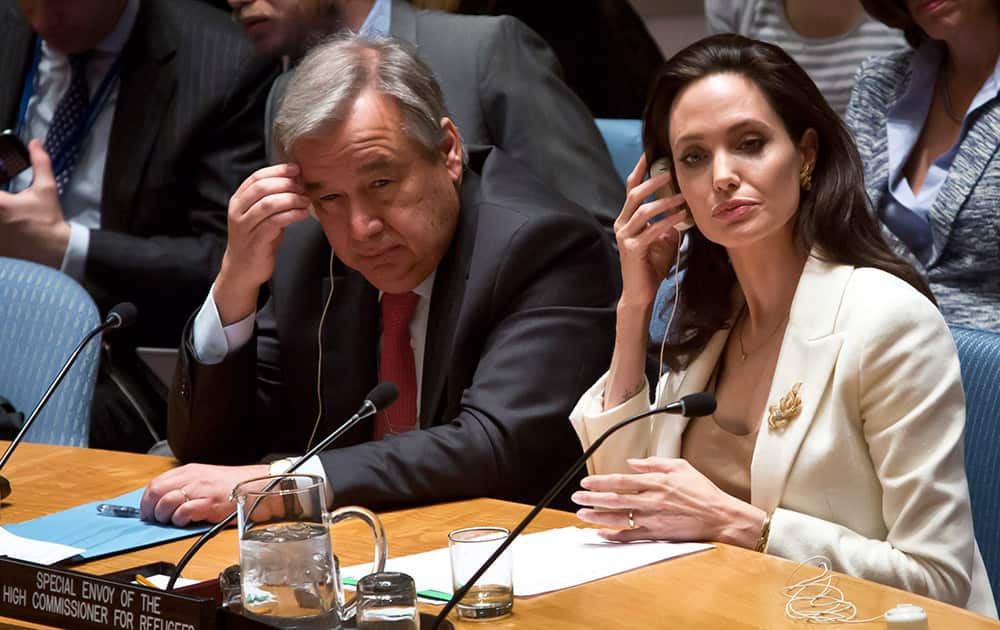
(161, 581)
(37, 551)
(545, 561)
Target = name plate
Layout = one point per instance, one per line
(70, 599)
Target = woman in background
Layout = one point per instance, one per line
(927, 124)
(840, 411)
(828, 39)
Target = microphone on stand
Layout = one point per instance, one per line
(690, 406)
(121, 316)
(379, 398)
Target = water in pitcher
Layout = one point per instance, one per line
(287, 576)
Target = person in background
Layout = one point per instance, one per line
(828, 39)
(458, 276)
(927, 124)
(604, 47)
(840, 416)
(146, 117)
(500, 80)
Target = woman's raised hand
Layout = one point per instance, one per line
(646, 249)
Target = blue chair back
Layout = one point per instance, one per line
(979, 355)
(624, 139)
(43, 316)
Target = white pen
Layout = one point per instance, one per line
(124, 511)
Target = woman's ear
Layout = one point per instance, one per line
(809, 148)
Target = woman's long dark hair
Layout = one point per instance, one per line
(834, 216)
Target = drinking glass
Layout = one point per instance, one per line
(290, 576)
(492, 595)
(387, 601)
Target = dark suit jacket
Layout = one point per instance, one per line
(521, 322)
(608, 54)
(503, 87)
(186, 132)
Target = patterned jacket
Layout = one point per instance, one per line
(964, 266)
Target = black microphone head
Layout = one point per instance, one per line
(125, 314)
(383, 395)
(698, 405)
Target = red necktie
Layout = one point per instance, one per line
(396, 364)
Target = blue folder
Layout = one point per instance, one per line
(100, 535)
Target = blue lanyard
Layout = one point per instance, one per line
(29, 86)
(94, 106)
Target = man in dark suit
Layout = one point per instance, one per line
(501, 81)
(510, 292)
(139, 212)
(608, 54)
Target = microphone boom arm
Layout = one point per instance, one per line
(52, 388)
(553, 491)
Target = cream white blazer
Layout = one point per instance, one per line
(871, 474)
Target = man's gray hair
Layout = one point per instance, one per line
(333, 75)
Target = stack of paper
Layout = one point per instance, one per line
(36, 551)
(546, 561)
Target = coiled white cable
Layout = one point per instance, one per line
(817, 600)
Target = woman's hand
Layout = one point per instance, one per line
(646, 249)
(668, 500)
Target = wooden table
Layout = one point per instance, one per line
(726, 587)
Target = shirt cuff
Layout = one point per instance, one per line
(75, 259)
(314, 466)
(211, 341)
(590, 420)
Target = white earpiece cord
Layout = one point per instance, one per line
(677, 301)
(319, 361)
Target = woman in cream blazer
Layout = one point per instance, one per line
(853, 399)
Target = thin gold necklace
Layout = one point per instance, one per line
(949, 110)
(743, 353)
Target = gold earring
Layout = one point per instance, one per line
(805, 178)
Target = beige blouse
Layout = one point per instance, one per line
(719, 454)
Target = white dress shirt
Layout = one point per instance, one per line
(81, 200)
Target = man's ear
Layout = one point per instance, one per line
(809, 148)
(451, 149)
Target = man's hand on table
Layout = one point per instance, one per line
(195, 492)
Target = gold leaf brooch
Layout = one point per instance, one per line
(787, 409)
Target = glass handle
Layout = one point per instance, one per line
(380, 548)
